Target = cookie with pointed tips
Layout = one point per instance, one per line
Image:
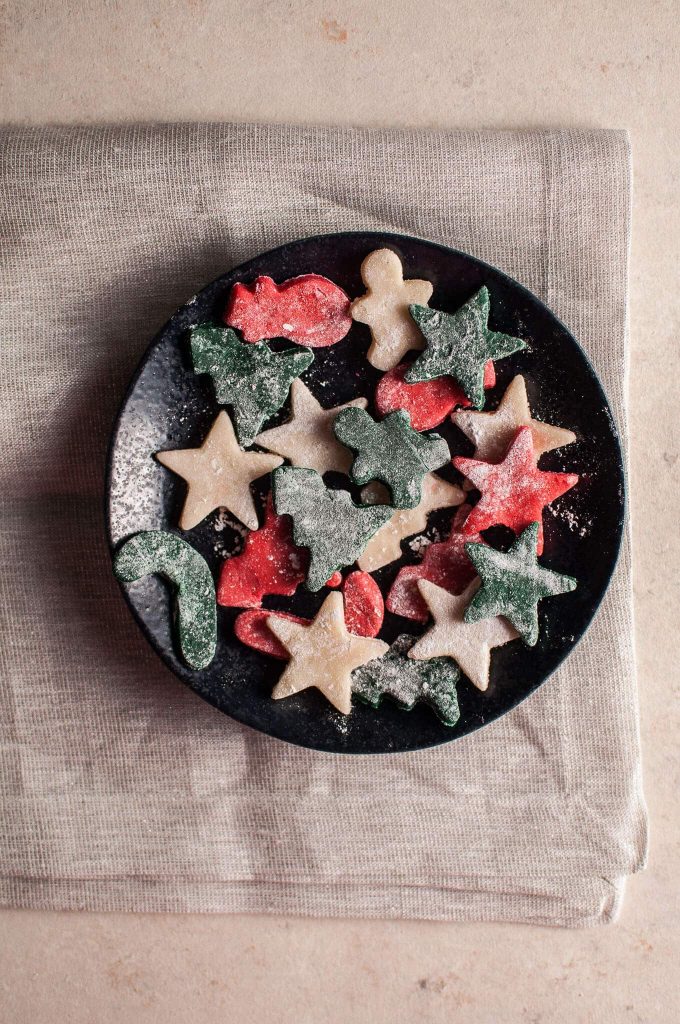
(459, 345)
(493, 432)
(323, 654)
(468, 643)
(514, 492)
(326, 522)
(513, 583)
(251, 378)
(406, 682)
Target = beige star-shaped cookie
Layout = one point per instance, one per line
(468, 643)
(323, 654)
(493, 432)
(307, 439)
(384, 307)
(385, 545)
(219, 474)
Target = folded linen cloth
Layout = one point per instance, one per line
(123, 790)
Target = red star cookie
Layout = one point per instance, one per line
(429, 402)
(444, 563)
(514, 492)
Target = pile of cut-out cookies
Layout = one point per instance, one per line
(435, 365)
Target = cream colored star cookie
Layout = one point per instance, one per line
(323, 654)
(219, 474)
(307, 439)
(385, 308)
(385, 545)
(493, 432)
(468, 643)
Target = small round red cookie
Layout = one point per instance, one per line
(364, 606)
(309, 310)
(429, 402)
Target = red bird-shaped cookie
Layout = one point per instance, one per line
(514, 492)
(309, 310)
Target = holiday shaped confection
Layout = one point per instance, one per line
(385, 308)
(407, 681)
(218, 475)
(513, 583)
(391, 451)
(493, 432)
(364, 606)
(445, 563)
(325, 521)
(307, 438)
(323, 654)
(385, 546)
(309, 310)
(514, 492)
(155, 551)
(468, 643)
(253, 379)
(459, 345)
(427, 403)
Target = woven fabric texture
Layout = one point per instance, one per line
(121, 789)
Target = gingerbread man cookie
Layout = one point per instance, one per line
(385, 308)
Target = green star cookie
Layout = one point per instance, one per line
(327, 522)
(513, 583)
(391, 451)
(250, 377)
(154, 551)
(407, 681)
(459, 345)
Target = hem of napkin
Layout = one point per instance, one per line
(558, 902)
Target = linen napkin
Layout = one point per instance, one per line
(121, 789)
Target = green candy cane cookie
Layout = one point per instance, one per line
(155, 551)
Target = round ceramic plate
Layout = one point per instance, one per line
(168, 406)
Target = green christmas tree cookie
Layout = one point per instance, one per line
(250, 377)
(327, 522)
(407, 681)
(459, 345)
(391, 451)
(155, 551)
(513, 583)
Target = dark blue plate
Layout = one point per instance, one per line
(168, 406)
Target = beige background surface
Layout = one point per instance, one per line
(469, 64)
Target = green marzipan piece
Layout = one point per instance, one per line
(155, 551)
(391, 451)
(513, 583)
(327, 522)
(407, 681)
(251, 378)
(459, 345)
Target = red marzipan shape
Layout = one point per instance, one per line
(428, 403)
(444, 563)
(514, 492)
(252, 630)
(310, 310)
(364, 606)
(270, 563)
